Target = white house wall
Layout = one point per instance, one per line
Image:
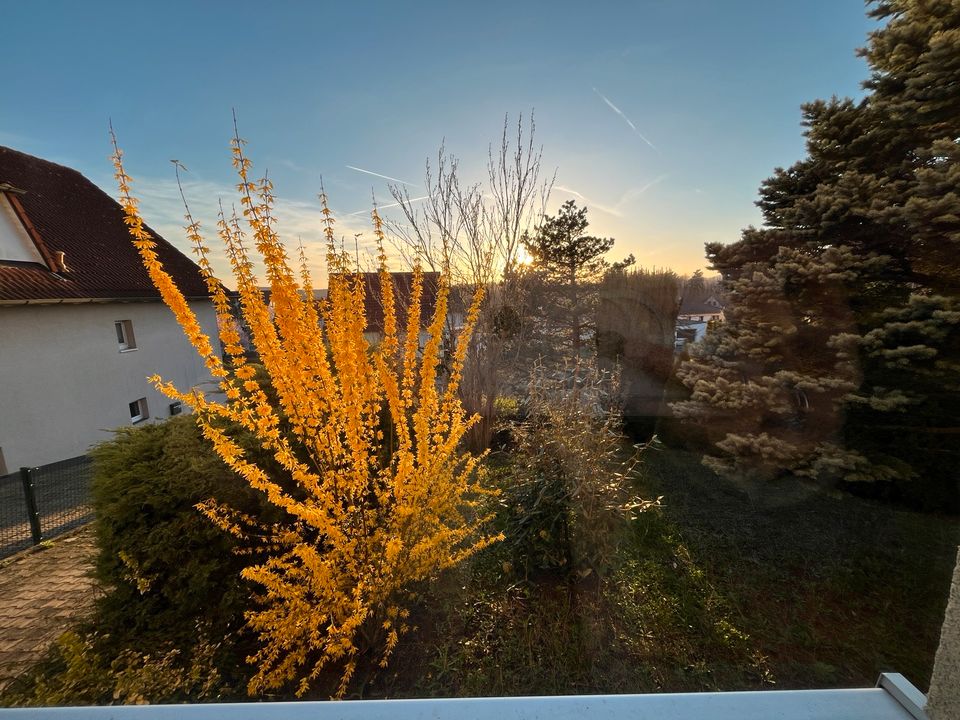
(64, 384)
(700, 328)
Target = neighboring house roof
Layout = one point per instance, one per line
(402, 284)
(63, 212)
(700, 306)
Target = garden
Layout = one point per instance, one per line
(499, 472)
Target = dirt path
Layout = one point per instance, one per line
(41, 594)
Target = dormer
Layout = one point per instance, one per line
(19, 240)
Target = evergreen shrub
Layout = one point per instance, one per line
(162, 565)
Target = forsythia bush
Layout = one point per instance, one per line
(375, 494)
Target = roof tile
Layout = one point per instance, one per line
(74, 216)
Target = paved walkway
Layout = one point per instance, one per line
(41, 593)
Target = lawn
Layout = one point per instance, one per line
(715, 590)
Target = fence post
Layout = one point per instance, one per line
(31, 505)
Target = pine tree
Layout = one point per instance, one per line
(839, 360)
(695, 286)
(569, 263)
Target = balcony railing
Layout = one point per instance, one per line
(894, 698)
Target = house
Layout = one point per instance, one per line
(402, 287)
(373, 307)
(81, 325)
(240, 323)
(694, 317)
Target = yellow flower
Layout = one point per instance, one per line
(375, 495)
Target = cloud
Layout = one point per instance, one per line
(629, 122)
(636, 192)
(290, 164)
(385, 177)
(588, 202)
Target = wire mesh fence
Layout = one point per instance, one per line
(14, 517)
(41, 502)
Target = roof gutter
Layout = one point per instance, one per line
(89, 301)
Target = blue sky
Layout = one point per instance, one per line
(663, 117)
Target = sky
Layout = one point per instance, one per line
(661, 117)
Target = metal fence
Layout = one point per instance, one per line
(39, 503)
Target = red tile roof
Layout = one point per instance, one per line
(402, 283)
(73, 216)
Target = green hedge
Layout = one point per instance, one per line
(166, 626)
(164, 567)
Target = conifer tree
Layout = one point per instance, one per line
(839, 360)
(569, 263)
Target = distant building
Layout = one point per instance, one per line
(81, 324)
(694, 317)
(373, 307)
(402, 286)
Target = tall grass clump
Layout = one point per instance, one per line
(568, 492)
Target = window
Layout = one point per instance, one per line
(138, 410)
(15, 242)
(125, 338)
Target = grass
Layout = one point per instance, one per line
(716, 590)
(833, 589)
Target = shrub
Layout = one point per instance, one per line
(361, 515)
(636, 321)
(163, 567)
(165, 628)
(567, 494)
(78, 672)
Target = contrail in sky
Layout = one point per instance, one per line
(384, 207)
(629, 122)
(385, 177)
(602, 208)
(615, 210)
(637, 191)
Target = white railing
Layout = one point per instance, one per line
(894, 698)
